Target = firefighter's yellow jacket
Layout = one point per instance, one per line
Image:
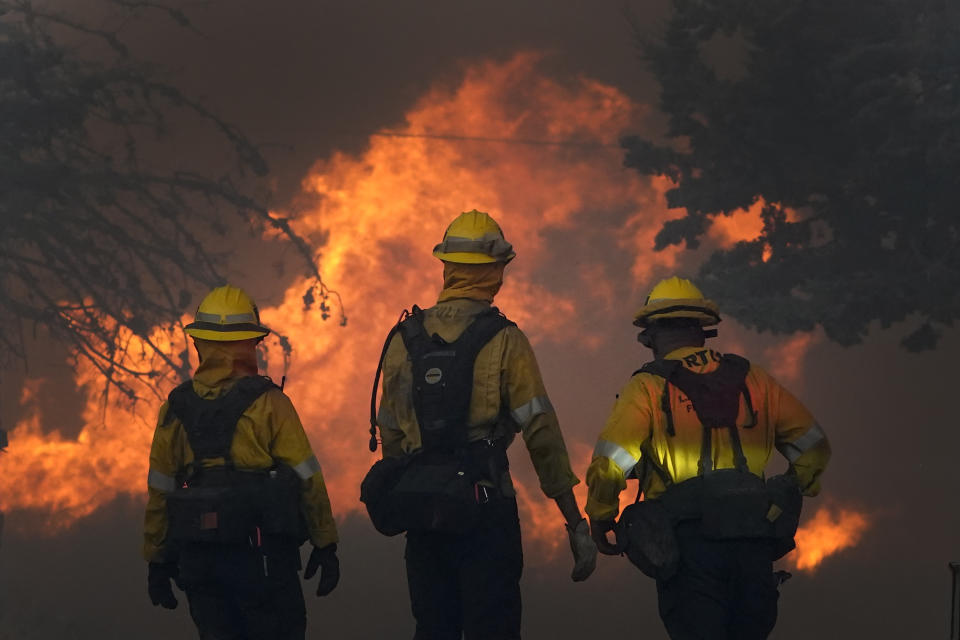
(637, 427)
(505, 374)
(268, 431)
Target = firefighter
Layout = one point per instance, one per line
(697, 429)
(235, 489)
(459, 382)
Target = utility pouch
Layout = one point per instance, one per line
(375, 494)
(735, 505)
(647, 530)
(438, 495)
(279, 501)
(786, 503)
(421, 493)
(221, 514)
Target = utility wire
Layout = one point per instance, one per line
(524, 141)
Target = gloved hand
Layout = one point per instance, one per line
(326, 560)
(584, 551)
(159, 578)
(598, 531)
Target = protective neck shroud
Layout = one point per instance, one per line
(210, 424)
(715, 397)
(443, 375)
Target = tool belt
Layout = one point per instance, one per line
(230, 506)
(726, 504)
(434, 491)
(729, 503)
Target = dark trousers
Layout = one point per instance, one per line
(468, 586)
(724, 590)
(243, 593)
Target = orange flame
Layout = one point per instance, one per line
(65, 479)
(380, 213)
(826, 534)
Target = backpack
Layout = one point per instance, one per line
(435, 488)
(224, 504)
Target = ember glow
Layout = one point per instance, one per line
(582, 226)
(827, 533)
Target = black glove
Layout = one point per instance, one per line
(326, 560)
(159, 578)
(598, 531)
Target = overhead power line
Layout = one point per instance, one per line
(524, 141)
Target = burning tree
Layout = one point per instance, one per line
(104, 240)
(844, 118)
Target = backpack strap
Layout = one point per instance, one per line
(210, 424)
(413, 333)
(443, 375)
(664, 369)
(716, 399)
(649, 462)
(410, 325)
(481, 331)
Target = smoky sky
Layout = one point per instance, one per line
(306, 78)
(309, 78)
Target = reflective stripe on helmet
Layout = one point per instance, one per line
(490, 244)
(241, 317)
(793, 450)
(233, 318)
(161, 481)
(308, 468)
(527, 412)
(620, 456)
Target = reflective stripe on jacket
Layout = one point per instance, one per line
(638, 423)
(269, 430)
(505, 373)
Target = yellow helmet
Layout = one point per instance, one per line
(474, 238)
(677, 298)
(225, 315)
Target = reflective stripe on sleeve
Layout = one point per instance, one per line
(525, 413)
(793, 450)
(160, 481)
(623, 458)
(307, 468)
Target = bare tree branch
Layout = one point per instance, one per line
(101, 247)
